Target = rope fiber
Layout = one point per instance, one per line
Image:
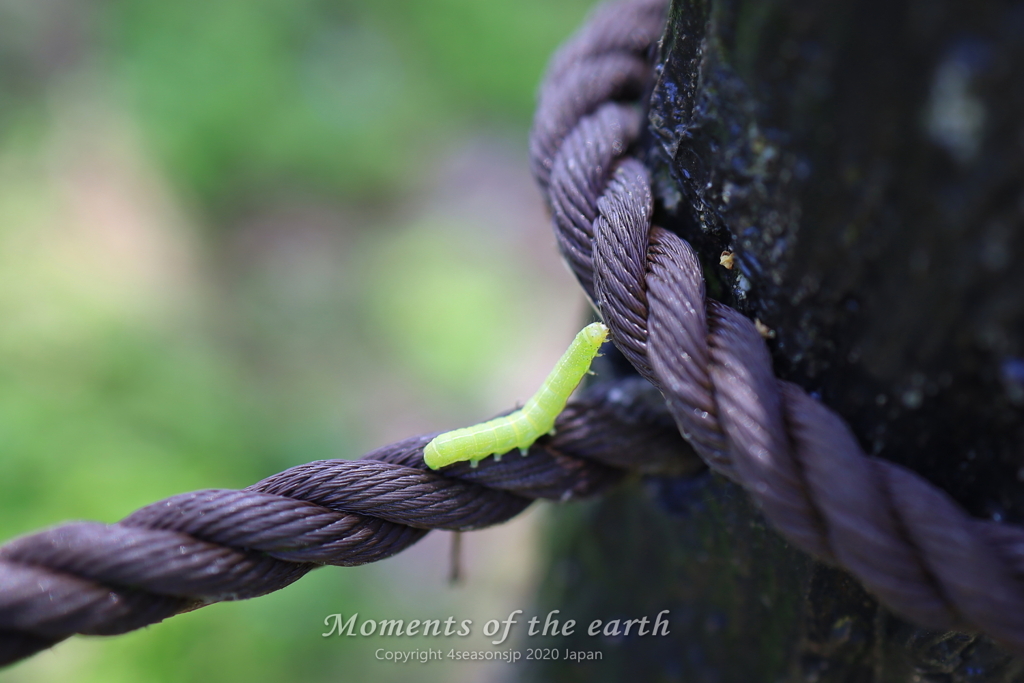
(907, 541)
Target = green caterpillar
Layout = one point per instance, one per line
(521, 428)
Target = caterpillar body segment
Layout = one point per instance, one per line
(524, 426)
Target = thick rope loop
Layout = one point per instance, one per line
(907, 541)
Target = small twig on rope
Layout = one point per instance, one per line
(455, 559)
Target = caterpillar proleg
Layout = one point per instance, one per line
(536, 418)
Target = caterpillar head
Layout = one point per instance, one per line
(596, 333)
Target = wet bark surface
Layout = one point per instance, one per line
(864, 164)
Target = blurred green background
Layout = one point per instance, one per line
(239, 235)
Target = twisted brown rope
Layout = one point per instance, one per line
(910, 544)
(208, 546)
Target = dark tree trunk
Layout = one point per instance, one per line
(864, 161)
